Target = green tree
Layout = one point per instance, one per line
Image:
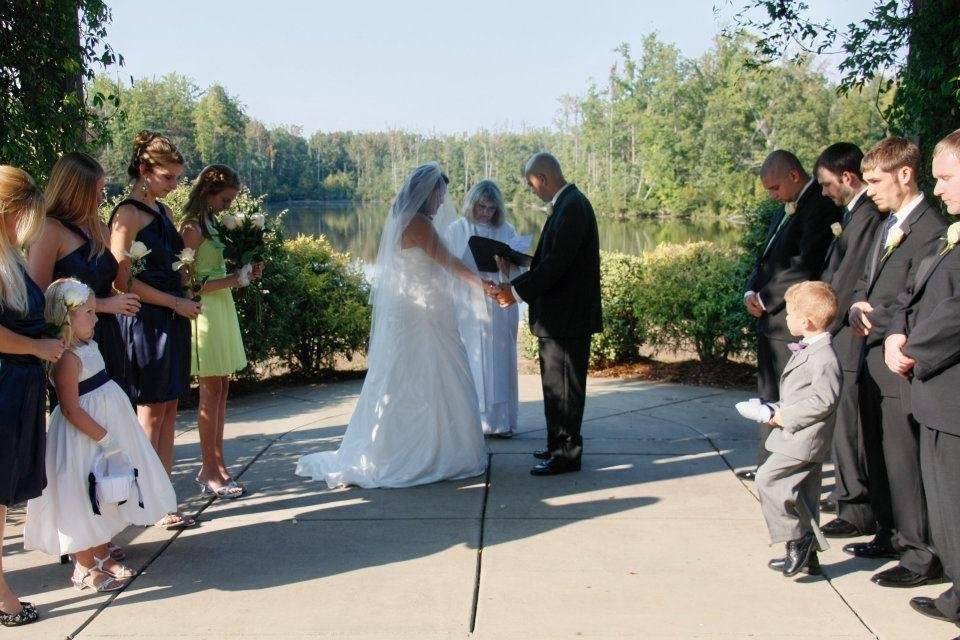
(220, 125)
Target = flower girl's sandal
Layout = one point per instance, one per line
(173, 521)
(84, 578)
(116, 552)
(120, 571)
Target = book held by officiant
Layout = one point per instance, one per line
(485, 250)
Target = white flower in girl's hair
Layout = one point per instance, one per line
(74, 294)
(258, 220)
(187, 258)
(138, 251)
(229, 221)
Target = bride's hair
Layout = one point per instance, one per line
(442, 179)
(485, 189)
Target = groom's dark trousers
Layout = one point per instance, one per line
(562, 289)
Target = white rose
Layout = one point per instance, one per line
(258, 220)
(229, 221)
(837, 229)
(790, 208)
(894, 238)
(74, 294)
(187, 258)
(953, 233)
(138, 251)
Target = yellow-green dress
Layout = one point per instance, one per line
(217, 346)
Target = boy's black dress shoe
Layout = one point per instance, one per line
(902, 578)
(839, 528)
(874, 549)
(747, 474)
(928, 607)
(812, 569)
(555, 466)
(542, 454)
(798, 554)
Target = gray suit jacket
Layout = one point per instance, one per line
(809, 394)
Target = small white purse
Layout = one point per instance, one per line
(112, 480)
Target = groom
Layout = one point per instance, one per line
(562, 289)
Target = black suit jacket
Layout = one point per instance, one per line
(795, 254)
(931, 321)
(891, 283)
(845, 263)
(562, 286)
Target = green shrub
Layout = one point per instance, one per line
(689, 298)
(622, 334)
(323, 298)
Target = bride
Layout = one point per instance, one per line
(417, 420)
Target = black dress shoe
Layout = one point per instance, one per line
(542, 454)
(747, 475)
(812, 569)
(902, 578)
(798, 554)
(555, 466)
(839, 528)
(928, 607)
(828, 506)
(872, 550)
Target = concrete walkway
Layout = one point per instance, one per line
(655, 538)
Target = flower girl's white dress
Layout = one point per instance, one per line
(62, 520)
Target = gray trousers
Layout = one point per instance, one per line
(789, 496)
(772, 358)
(940, 463)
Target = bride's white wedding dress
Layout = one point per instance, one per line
(417, 420)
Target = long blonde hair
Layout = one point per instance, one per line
(72, 196)
(211, 181)
(19, 196)
(56, 311)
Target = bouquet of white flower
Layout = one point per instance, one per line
(242, 238)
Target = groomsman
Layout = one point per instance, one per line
(924, 342)
(838, 172)
(910, 234)
(794, 250)
(562, 288)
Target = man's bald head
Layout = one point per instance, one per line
(544, 175)
(783, 176)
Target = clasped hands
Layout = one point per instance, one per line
(499, 292)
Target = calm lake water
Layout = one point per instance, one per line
(356, 228)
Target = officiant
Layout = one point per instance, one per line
(489, 332)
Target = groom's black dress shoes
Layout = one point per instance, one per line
(542, 454)
(902, 578)
(875, 549)
(928, 607)
(840, 528)
(812, 569)
(798, 554)
(555, 466)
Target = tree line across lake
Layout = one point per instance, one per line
(663, 134)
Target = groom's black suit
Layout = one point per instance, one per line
(562, 289)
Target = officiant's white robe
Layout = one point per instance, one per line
(489, 333)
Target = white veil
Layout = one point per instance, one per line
(390, 283)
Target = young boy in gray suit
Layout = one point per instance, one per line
(789, 481)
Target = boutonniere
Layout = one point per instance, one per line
(894, 238)
(790, 208)
(837, 229)
(952, 238)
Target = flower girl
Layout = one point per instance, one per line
(94, 416)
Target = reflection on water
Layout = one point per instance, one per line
(356, 228)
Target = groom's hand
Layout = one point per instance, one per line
(505, 296)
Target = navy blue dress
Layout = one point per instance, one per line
(157, 339)
(22, 395)
(98, 273)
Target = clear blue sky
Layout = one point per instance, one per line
(422, 65)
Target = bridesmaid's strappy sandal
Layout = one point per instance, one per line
(26, 615)
(88, 580)
(121, 572)
(174, 521)
(229, 491)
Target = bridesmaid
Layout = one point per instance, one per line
(75, 244)
(217, 346)
(158, 336)
(22, 351)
